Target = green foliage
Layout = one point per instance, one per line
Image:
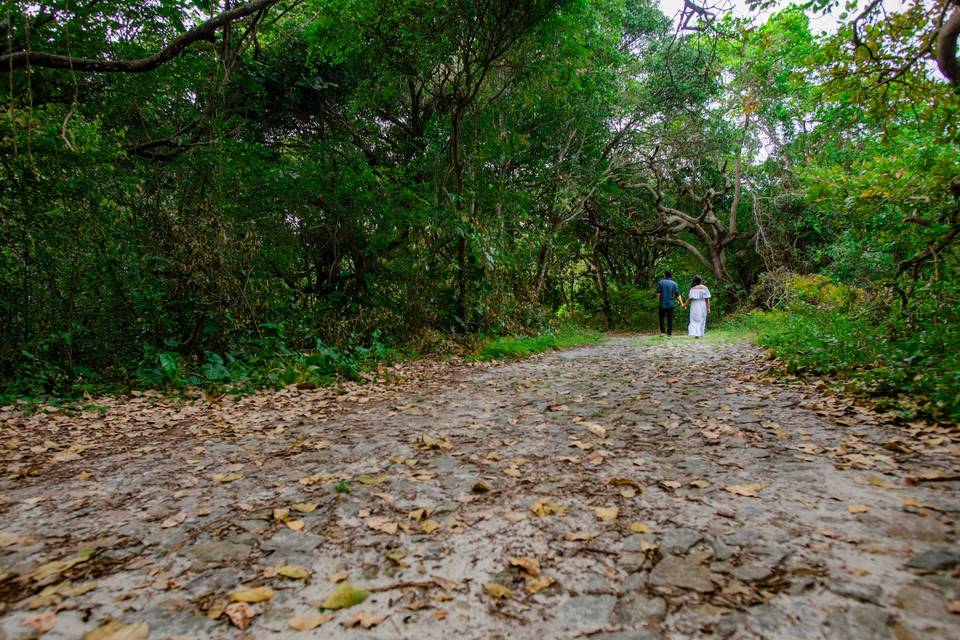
(515, 347)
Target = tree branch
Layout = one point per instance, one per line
(204, 31)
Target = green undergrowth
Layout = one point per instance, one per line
(913, 373)
(515, 347)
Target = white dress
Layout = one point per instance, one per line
(698, 311)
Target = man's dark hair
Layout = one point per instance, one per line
(668, 275)
(696, 280)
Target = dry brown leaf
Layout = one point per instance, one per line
(251, 594)
(383, 525)
(339, 576)
(365, 619)
(429, 526)
(538, 584)
(671, 484)
(41, 622)
(305, 507)
(281, 514)
(309, 621)
(513, 472)
(607, 514)
(173, 521)
(530, 565)
(580, 536)
(699, 483)
(628, 492)
(953, 606)
(116, 630)
(515, 516)
(595, 429)
(498, 591)
(857, 508)
(224, 478)
(240, 614)
(748, 490)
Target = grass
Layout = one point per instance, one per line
(516, 347)
(727, 333)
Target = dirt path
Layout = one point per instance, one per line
(662, 491)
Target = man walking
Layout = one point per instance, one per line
(667, 291)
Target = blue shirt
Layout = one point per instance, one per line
(668, 290)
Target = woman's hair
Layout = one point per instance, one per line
(696, 280)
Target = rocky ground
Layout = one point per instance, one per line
(632, 489)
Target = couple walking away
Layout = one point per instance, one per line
(698, 297)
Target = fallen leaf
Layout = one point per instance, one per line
(628, 492)
(699, 483)
(498, 591)
(538, 584)
(639, 462)
(41, 622)
(530, 565)
(639, 527)
(880, 482)
(173, 521)
(671, 484)
(513, 472)
(648, 546)
(9, 539)
(429, 526)
(116, 630)
(217, 608)
(595, 429)
(365, 619)
(309, 621)
(953, 606)
(580, 536)
(305, 507)
(481, 487)
(294, 524)
(366, 478)
(440, 614)
(240, 614)
(293, 571)
(343, 596)
(607, 514)
(383, 525)
(224, 478)
(544, 507)
(339, 576)
(748, 490)
(251, 594)
(396, 556)
(59, 566)
(857, 508)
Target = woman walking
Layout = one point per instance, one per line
(699, 301)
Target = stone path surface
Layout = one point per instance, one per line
(628, 490)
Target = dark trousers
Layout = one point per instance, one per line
(668, 315)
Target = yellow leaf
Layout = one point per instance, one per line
(671, 484)
(538, 584)
(429, 526)
(116, 630)
(498, 591)
(530, 565)
(343, 596)
(544, 507)
(647, 546)
(230, 477)
(607, 514)
(366, 478)
(628, 492)
(281, 514)
(251, 594)
(294, 524)
(305, 507)
(309, 621)
(595, 429)
(880, 482)
(513, 472)
(639, 527)
(748, 490)
(700, 484)
(59, 566)
(857, 508)
(339, 576)
(293, 571)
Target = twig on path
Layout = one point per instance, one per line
(422, 584)
(596, 632)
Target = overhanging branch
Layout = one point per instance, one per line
(204, 31)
